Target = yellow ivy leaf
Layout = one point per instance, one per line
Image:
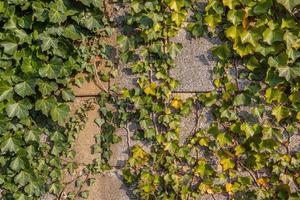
(178, 18)
(176, 4)
(262, 182)
(231, 3)
(229, 187)
(227, 163)
(203, 142)
(298, 116)
(150, 90)
(239, 150)
(176, 103)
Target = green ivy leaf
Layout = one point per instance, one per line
(47, 87)
(72, 33)
(6, 91)
(51, 70)
(10, 144)
(19, 109)
(24, 89)
(289, 73)
(271, 36)
(280, 112)
(45, 105)
(33, 188)
(56, 13)
(68, 95)
(22, 178)
(84, 194)
(289, 4)
(223, 52)
(17, 164)
(48, 42)
(60, 113)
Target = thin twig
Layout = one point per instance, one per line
(85, 180)
(250, 172)
(213, 196)
(97, 78)
(128, 137)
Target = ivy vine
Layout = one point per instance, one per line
(43, 44)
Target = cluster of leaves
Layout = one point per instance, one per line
(41, 48)
(245, 153)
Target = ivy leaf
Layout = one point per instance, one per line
(289, 73)
(32, 136)
(280, 112)
(248, 37)
(84, 194)
(6, 91)
(24, 89)
(72, 33)
(56, 13)
(176, 5)
(68, 95)
(9, 47)
(47, 87)
(22, 178)
(48, 42)
(241, 99)
(231, 3)
(273, 94)
(51, 70)
(10, 144)
(222, 52)
(17, 164)
(172, 147)
(232, 32)
(213, 20)
(271, 36)
(203, 169)
(295, 97)
(178, 18)
(55, 188)
(60, 113)
(227, 163)
(235, 16)
(289, 4)
(174, 49)
(45, 105)
(124, 42)
(224, 139)
(33, 188)
(19, 109)
(248, 129)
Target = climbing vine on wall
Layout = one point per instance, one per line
(43, 44)
(245, 153)
(238, 156)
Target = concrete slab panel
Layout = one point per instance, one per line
(194, 63)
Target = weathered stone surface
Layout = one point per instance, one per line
(88, 88)
(210, 197)
(295, 143)
(125, 78)
(109, 187)
(189, 124)
(194, 64)
(86, 138)
(119, 150)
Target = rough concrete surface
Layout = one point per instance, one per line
(86, 138)
(119, 150)
(108, 186)
(194, 63)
